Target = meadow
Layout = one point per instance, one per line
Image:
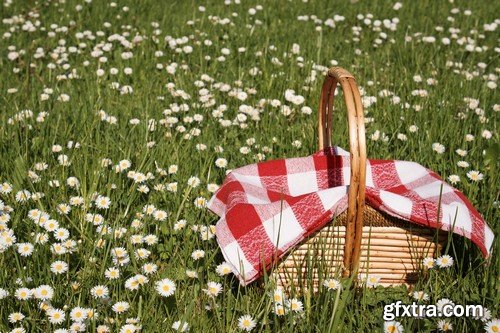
(119, 120)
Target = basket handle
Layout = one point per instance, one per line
(357, 145)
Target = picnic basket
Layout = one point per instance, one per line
(361, 240)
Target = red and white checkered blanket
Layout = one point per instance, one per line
(267, 208)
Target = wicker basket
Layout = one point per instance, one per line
(361, 240)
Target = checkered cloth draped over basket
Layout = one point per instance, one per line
(267, 208)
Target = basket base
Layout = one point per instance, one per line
(392, 251)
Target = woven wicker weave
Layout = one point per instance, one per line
(362, 239)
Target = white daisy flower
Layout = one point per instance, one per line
(246, 323)
(165, 287)
(180, 326)
(444, 261)
(331, 284)
(120, 307)
(59, 267)
(475, 175)
(444, 326)
(223, 269)
(213, 289)
(99, 291)
(393, 327)
(493, 326)
(44, 292)
(102, 202)
(56, 316)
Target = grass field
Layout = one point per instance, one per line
(113, 115)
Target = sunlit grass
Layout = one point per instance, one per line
(422, 92)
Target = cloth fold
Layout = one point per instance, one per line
(267, 208)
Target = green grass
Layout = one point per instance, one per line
(443, 116)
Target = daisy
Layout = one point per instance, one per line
(120, 307)
(3, 293)
(76, 201)
(78, 314)
(141, 279)
(73, 182)
(444, 326)
(18, 330)
(160, 215)
(295, 305)
(128, 328)
(63, 160)
(124, 165)
(393, 327)
(438, 148)
(44, 292)
(58, 248)
(493, 326)
(77, 327)
(198, 254)
(56, 316)
(454, 179)
(99, 291)
(246, 323)
(221, 163)
(112, 273)
(61, 234)
(420, 296)
(200, 202)
(95, 219)
(165, 287)
(119, 252)
(429, 263)
(132, 284)
(15, 317)
(149, 209)
(172, 187)
(486, 315)
(223, 269)
(213, 289)
(5, 188)
(25, 249)
(102, 202)
(103, 329)
(142, 253)
(149, 268)
(51, 225)
(143, 189)
(278, 296)
(212, 188)
(442, 302)
(23, 294)
(23, 196)
(191, 274)
(181, 224)
(444, 261)
(59, 267)
(63, 209)
(181, 326)
(331, 284)
(194, 182)
(463, 164)
(151, 239)
(475, 175)
(173, 169)
(372, 281)
(279, 309)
